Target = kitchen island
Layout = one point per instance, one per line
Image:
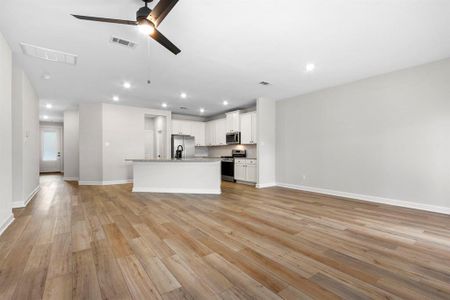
(184, 176)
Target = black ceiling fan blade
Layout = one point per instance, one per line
(106, 20)
(161, 10)
(160, 38)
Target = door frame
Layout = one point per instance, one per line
(61, 142)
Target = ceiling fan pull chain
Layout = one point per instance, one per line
(148, 62)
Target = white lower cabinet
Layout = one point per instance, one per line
(239, 172)
(245, 170)
(251, 173)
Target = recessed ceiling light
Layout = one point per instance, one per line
(45, 117)
(48, 105)
(127, 85)
(202, 110)
(46, 76)
(310, 67)
(116, 98)
(164, 105)
(225, 102)
(183, 95)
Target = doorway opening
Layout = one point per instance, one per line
(155, 137)
(51, 149)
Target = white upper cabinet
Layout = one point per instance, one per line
(248, 128)
(213, 133)
(233, 121)
(193, 128)
(254, 129)
(181, 127)
(221, 132)
(198, 131)
(210, 133)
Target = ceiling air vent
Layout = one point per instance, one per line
(123, 42)
(49, 54)
(264, 83)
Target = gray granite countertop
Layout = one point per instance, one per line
(174, 160)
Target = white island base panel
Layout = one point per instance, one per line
(180, 177)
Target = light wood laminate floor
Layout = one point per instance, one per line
(106, 242)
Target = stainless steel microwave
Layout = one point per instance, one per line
(233, 138)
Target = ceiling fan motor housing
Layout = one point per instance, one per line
(143, 13)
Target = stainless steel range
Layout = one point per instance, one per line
(228, 164)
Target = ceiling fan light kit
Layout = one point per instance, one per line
(147, 20)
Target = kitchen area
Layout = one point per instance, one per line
(203, 153)
(230, 137)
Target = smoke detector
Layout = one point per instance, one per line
(49, 54)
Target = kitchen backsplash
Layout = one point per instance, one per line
(219, 151)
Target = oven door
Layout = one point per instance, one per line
(228, 170)
(233, 138)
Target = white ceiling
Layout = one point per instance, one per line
(228, 47)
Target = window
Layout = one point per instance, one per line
(49, 146)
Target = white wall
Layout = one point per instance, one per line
(6, 216)
(109, 134)
(91, 143)
(71, 145)
(123, 135)
(381, 139)
(265, 119)
(26, 144)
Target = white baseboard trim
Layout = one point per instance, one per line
(110, 182)
(176, 191)
(375, 199)
(70, 178)
(81, 182)
(265, 185)
(5, 224)
(20, 204)
(114, 182)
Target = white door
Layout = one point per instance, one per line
(51, 145)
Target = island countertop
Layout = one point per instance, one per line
(174, 160)
(185, 176)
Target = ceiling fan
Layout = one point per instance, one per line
(147, 20)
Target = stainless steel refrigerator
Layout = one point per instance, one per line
(187, 142)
